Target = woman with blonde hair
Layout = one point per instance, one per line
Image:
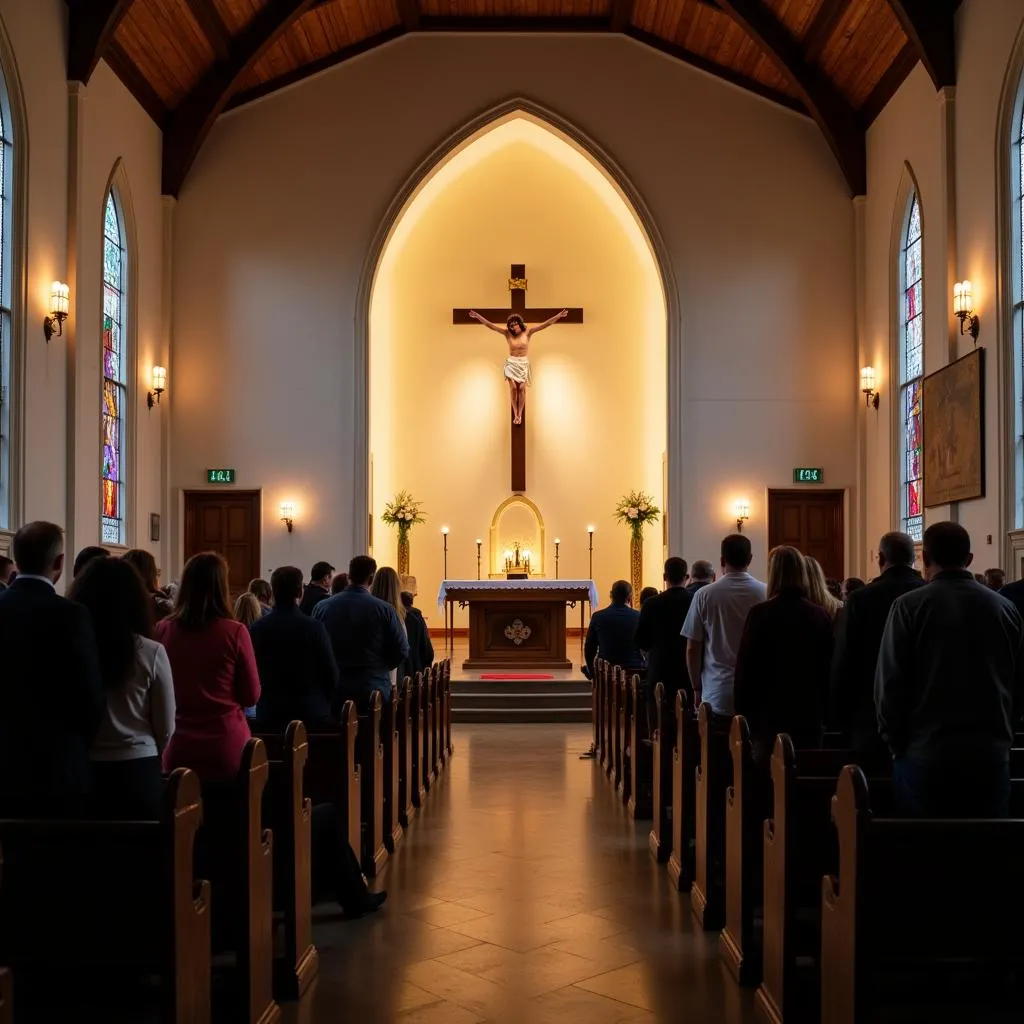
(783, 662)
(248, 609)
(817, 588)
(387, 587)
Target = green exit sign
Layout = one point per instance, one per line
(220, 476)
(808, 475)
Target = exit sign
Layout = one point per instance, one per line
(220, 476)
(808, 475)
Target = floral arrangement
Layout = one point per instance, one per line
(636, 510)
(404, 511)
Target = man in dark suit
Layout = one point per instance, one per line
(6, 572)
(51, 696)
(659, 632)
(366, 634)
(298, 675)
(319, 587)
(858, 637)
(611, 632)
(421, 650)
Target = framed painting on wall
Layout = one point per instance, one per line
(954, 431)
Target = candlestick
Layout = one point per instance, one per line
(557, 542)
(590, 532)
(478, 543)
(444, 534)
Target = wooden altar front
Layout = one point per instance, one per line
(518, 624)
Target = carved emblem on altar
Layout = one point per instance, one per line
(517, 632)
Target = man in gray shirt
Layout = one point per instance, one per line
(714, 626)
(948, 687)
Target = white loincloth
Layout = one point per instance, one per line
(517, 370)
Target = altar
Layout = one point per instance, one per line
(516, 624)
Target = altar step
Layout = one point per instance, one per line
(520, 701)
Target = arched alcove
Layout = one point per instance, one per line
(517, 520)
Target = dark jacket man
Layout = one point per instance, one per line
(319, 588)
(611, 632)
(298, 674)
(858, 637)
(367, 637)
(659, 633)
(51, 696)
(421, 650)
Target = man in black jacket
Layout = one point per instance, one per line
(659, 633)
(611, 632)
(298, 674)
(319, 588)
(421, 650)
(858, 637)
(51, 696)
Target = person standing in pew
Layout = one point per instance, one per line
(714, 627)
(51, 694)
(367, 636)
(298, 674)
(859, 631)
(7, 572)
(421, 650)
(139, 718)
(215, 673)
(611, 632)
(949, 681)
(321, 577)
(701, 575)
(783, 662)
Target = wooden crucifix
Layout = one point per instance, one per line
(517, 366)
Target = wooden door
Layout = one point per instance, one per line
(227, 522)
(811, 521)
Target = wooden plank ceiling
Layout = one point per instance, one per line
(187, 61)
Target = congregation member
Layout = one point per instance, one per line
(659, 631)
(145, 565)
(948, 687)
(321, 576)
(339, 583)
(611, 632)
(298, 674)
(247, 609)
(262, 591)
(51, 692)
(701, 575)
(85, 556)
(850, 585)
(367, 637)
(7, 572)
(647, 593)
(995, 579)
(1014, 593)
(817, 588)
(387, 587)
(858, 637)
(136, 674)
(714, 627)
(782, 666)
(421, 650)
(215, 674)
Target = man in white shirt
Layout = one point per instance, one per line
(714, 626)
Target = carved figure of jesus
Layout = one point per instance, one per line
(517, 365)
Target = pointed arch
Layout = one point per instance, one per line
(118, 361)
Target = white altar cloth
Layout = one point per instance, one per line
(517, 585)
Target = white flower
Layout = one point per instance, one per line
(632, 513)
(643, 506)
(407, 516)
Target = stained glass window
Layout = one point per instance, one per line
(911, 371)
(115, 392)
(6, 338)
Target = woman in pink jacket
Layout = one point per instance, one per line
(214, 671)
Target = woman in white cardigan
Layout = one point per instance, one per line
(139, 719)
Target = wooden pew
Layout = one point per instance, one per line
(895, 904)
(417, 790)
(389, 727)
(641, 755)
(601, 670)
(611, 703)
(289, 813)
(595, 710)
(439, 752)
(406, 779)
(427, 749)
(714, 776)
(618, 723)
(449, 747)
(660, 839)
(122, 894)
(685, 758)
(622, 785)
(370, 757)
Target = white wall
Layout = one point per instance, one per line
(277, 217)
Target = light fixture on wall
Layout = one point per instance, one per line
(742, 510)
(60, 306)
(159, 386)
(963, 307)
(867, 385)
(288, 515)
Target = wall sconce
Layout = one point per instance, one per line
(963, 307)
(742, 509)
(159, 386)
(60, 305)
(288, 515)
(867, 385)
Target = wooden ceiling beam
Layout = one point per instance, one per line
(827, 105)
(135, 82)
(212, 25)
(191, 121)
(621, 15)
(91, 28)
(512, 23)
(931, 26)
(820, 30)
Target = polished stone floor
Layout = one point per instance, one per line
(523, 894)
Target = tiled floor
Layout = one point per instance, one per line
(523, 894)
